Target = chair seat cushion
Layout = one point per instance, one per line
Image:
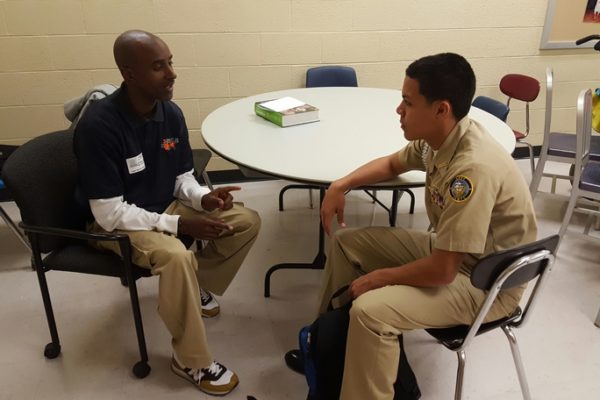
(590, 178)
(85, 259)
(454, 336)
(564, 144)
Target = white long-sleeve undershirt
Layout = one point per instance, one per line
(114, 213)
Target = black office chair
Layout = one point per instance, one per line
(492, 106)
(42, 175)
(502, 270)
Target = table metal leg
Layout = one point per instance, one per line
(393, 209)
(317, 263)
(295, 186)
(319, 260)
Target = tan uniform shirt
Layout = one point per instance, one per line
(476, 197)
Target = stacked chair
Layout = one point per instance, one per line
(557, 146)
(585, 194)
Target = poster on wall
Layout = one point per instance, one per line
(592, 11)
(569, 20)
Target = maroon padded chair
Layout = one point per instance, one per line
(523, 88)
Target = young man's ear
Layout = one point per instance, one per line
(444, 108)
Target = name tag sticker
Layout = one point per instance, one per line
(136, 164)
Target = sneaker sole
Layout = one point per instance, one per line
(210, 313)
(208, 391)
(188, 378)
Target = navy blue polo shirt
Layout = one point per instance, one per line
(122, 154)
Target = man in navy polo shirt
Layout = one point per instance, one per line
(136, 177)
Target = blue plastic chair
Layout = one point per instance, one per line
(494, 107)
(331, 75)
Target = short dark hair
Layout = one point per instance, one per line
(445, 76)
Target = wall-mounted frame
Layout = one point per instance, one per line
(569, 20)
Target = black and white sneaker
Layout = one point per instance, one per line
(210, 307)
(216, 379)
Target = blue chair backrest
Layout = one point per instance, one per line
(2, 186)
(494, 107)
(332, 75)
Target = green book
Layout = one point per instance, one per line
(286, 111)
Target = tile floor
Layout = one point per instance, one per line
(560, 345)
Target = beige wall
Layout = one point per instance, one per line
(53, 50)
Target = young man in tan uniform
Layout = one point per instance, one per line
(477, 201)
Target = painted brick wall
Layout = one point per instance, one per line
(54, 50)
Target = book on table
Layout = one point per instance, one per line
(286, 111)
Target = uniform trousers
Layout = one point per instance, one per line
(182, 272)
(378, 316)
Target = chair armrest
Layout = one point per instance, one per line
(122, 239)
(73, 234)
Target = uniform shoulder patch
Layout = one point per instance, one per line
(461, 188)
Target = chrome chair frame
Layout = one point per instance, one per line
(507, 329)
(582, 200)
(545, 258)
(556, 146)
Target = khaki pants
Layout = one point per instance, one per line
(377, 317)
(182, 272)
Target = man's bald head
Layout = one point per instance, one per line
(129, 44)
(146, 64)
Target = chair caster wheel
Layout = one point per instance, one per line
(52, 350)
(141, 369)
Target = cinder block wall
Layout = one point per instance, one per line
(53, 50)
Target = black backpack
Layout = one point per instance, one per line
(323, 347)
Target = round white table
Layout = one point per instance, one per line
(356, 125)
